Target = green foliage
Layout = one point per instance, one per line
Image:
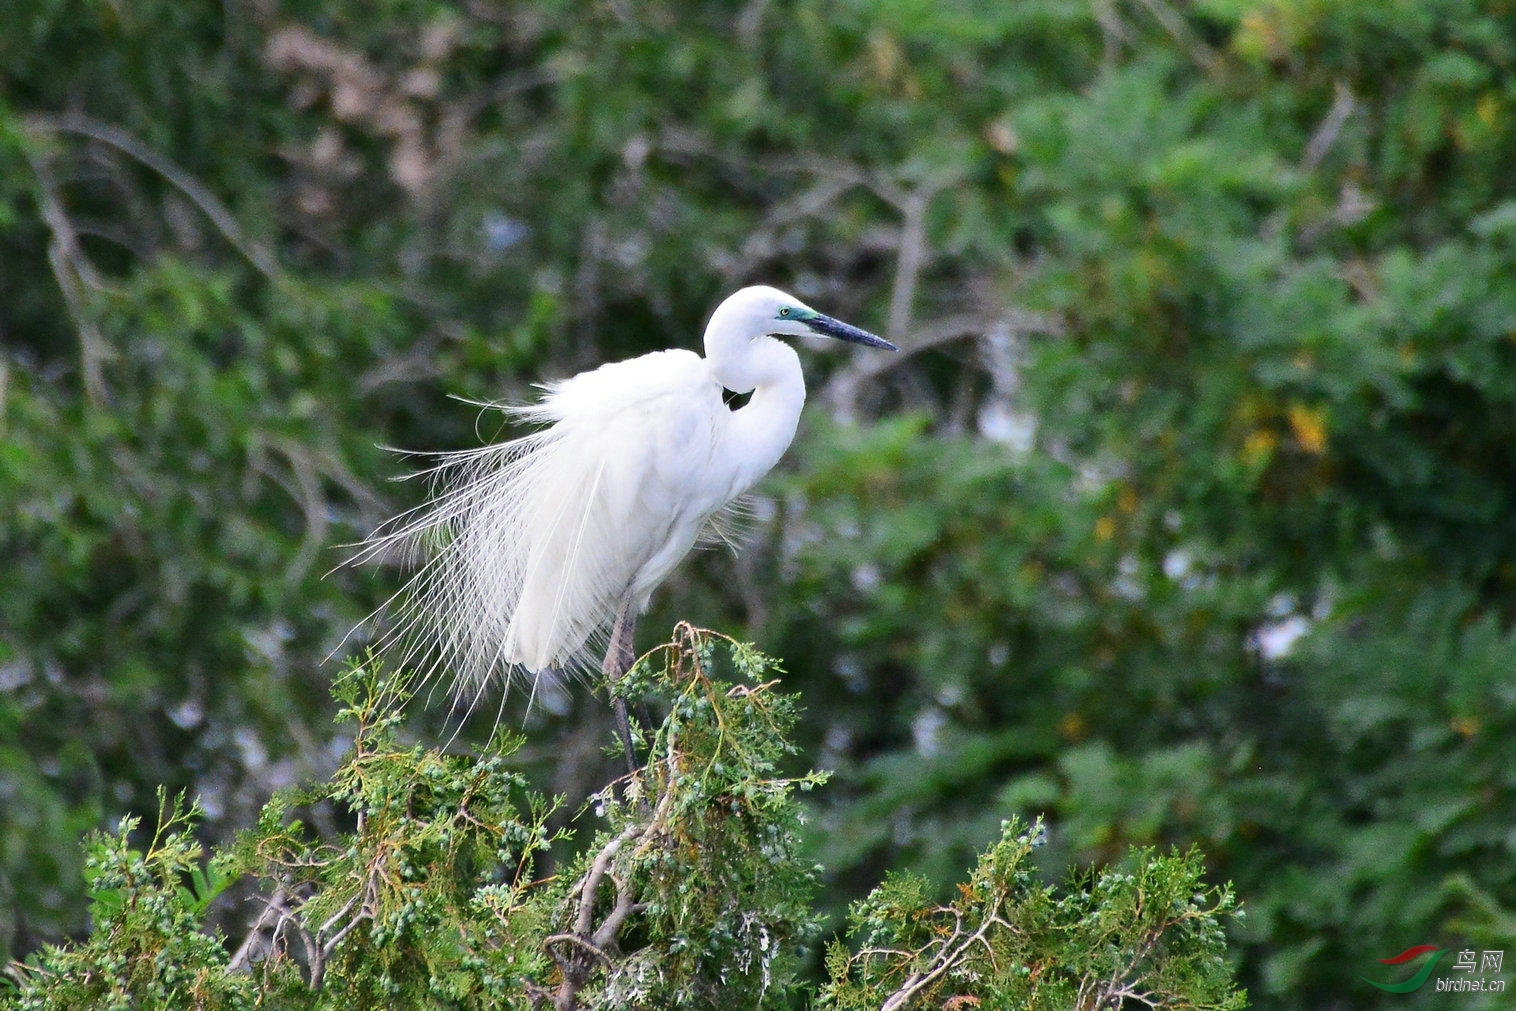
(417, 905)
(705, 840)
(146, 949)
(693, 895)
(1152, 934)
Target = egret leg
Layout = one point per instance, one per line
(619, 657)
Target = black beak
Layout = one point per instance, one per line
(828, 327)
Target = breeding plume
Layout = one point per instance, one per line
(538, 552)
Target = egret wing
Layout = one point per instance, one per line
(530, 547)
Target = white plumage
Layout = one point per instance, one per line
(534, 547)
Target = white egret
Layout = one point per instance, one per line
(541, 550)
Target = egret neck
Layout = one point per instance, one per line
(769, 369)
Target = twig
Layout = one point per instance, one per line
(330, 944)
(304, 487)
(339, 914)
(947, 958)
(911, 255)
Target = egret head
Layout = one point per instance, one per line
(739, 340)
(761, 311)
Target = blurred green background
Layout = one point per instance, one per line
(1187, 515)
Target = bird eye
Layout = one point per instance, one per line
(785, 311)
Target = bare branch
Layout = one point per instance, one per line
(763, 242)
(575, 941)
(74, 273)
(587, 940)
(594, 876)
(121, 140)
(626, 905)
(1173, 22)
(303, 486)
(948, 958)
(1325, 135)
(273, 911)
(314, 953)
(908, 264)
(1112, 32)
(843, 389)
(92, 345)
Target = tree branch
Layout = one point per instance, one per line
(1173, 22)
(1325, 135)
(121, 140)
(74, 273)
